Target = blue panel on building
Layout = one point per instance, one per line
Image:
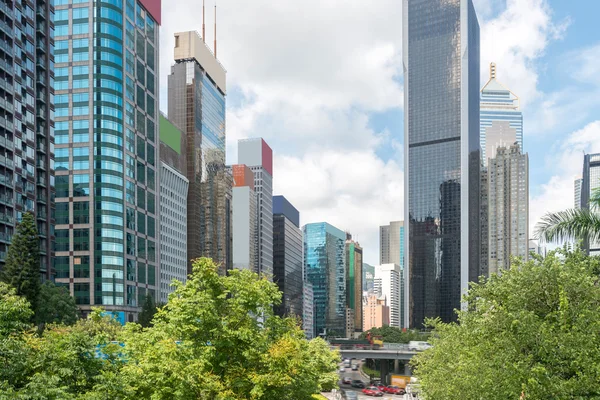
(282, 206)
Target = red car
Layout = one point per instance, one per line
(373, 391)
(393, 390)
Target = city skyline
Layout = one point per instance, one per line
(356, 119)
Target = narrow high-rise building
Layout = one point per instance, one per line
(197, 106)
(325, 268)
(577, 198)
(27, 124)
(308, 307)
(387, 284)
(258, 156)
(173, 208)
(442, 155)
(391, 251)
(244, 218)
(590, 183)
(501, 118)
(368, 276)
(354, 274)
(107, 192)
(288, 264)
(508, 199)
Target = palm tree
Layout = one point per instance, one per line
(573, 224)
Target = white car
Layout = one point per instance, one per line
(342, 369)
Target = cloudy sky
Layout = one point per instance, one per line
(321, 82)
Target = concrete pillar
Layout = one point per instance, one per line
(407, 370)
(384, 371)
(396, 366)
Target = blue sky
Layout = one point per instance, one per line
(321, 82)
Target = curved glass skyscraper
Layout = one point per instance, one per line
(441, 127)
(107, 152)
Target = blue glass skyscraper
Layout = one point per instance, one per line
(501, 119)
(324, 266)
(107, 152)
(442, 157)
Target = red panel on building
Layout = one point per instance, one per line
(153, 8)
(242, 176)
(267, 158)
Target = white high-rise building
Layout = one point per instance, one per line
(307, 310)
(258, 156)
(578, 186)
(387, 283)
(173, 229)
(244, 218)
(508, 199)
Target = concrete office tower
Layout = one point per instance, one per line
(257, 155)
(173, 208)
(350, 328)
(27, 123)
(244, 218)
(354, 274)
(442, 157)
(501, 118)
(325, 268)
(376, 312)
(308, 310)
(590, 182)
(287, 256)
(197, 106)
(508, 175)
(534, 247)
(578, 185)
(387, 284)
(107, 160)
(368, 276)
(391, 251)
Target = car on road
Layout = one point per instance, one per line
(373, 391)
(346, 380)
(355, 367)
(358, 384)
(342, 369)
(351, 396)
(392, 389)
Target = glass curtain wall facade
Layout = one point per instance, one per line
(107, 153)
(287, 257)
(354, 275)
(27, 122)
(324, 265)
(591, 182)
(442, 157)
(197, 107)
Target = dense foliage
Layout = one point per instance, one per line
(148, 311)
(533, 331)
(55, 306)
(216, 339)
(390, 334)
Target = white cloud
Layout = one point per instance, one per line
(566, 164)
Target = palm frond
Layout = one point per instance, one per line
(595, 199)
(573, 224)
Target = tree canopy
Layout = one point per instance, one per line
(534, 330)
(217, 338)
(391, 334)
(56, 306)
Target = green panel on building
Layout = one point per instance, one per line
(170, 134)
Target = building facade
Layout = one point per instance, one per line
(324, 265)
(308, 306)
(106, 157)
(501, 119)
(368, 276)
(442, 155)
(577, 195)
(387, 284)
(354, 274)
(288, 250)
(244, 218)
(590, 183)
(508, 199)
(197, 91)
(391, 251)
(376, 312)
(27, 123)
(535, 248)
(173, 208)
(258, 156)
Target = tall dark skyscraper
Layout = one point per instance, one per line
(26, 123)
(442, 155)
(197, 106)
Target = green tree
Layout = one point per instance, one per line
(22, 267)
(148, 311)
(218, 338)
(571, 224)
(534, 330)
(391, 334)
(56, 306)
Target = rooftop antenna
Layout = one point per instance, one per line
(215, 28)
(203, 24)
